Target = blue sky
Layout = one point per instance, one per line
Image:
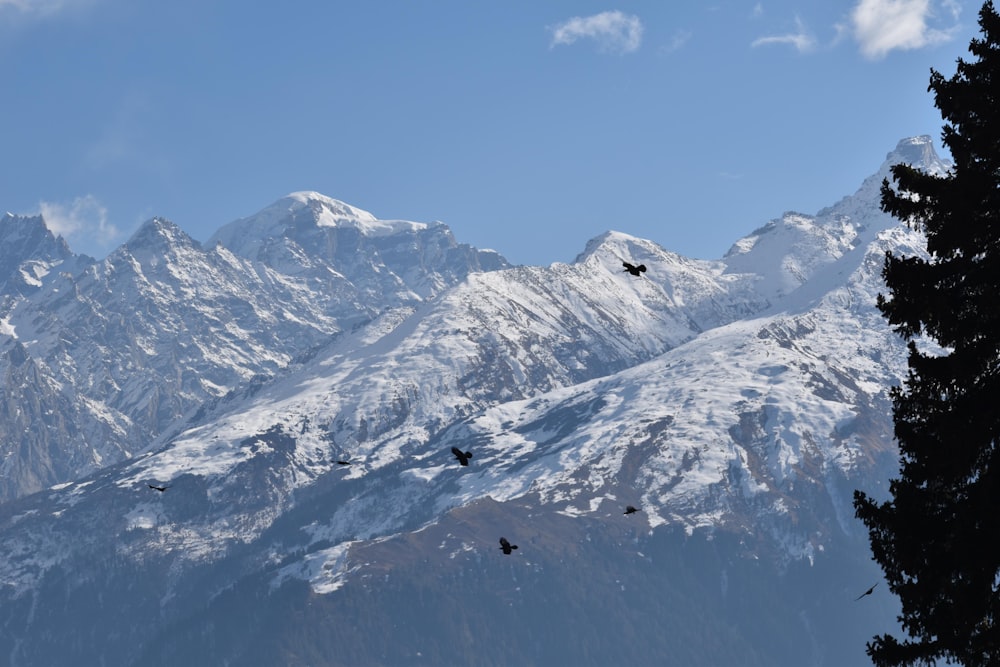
(527, 126)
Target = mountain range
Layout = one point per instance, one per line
(296, 384)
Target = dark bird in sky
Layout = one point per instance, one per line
(868, 592)
(343, 463)
(634, 270)
(161, 489)
(630, 510)
(506, 546)
(463, 457)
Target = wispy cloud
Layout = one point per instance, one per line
(40, 8)
(85, 217)
(881, 26)
(614, 32)
(26, 5)
(676, 42)
(801, 39)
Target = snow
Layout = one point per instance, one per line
(202, 452)
(703, 390)
(142, 517)
(248, 234)
(34, 273)
(425, 474)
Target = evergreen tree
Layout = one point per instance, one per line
(935, 538)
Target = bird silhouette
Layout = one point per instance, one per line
(161, 489)
(868, 592)
(630, 510)
(463, 457)
(634, 270)
(343, 463)
(506, 546)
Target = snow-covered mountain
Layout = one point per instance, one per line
(29, 253)
(133, 343)
(737, 403)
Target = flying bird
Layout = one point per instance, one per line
(634, 270)
(463, 457)
(506, 546)
(630, 510)
(161, 489)
(343, 463)
(868, 592)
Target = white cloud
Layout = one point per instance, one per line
(953, 7)
(613, 31)
(881, 26)
(800, 39)
(85, 217)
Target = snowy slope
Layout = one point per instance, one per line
(788, 251)
(736, 402)
(383, 391)
(761, 427)
(145, 337)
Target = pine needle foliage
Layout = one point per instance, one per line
(934, 537)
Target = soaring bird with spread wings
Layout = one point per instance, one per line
(634, 270)
(463, 457)
(506, 546)
(868, 592)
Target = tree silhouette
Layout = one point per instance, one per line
(932, 537)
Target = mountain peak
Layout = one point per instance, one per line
(156, 238)
(611, 242)
(918, 152)
(303, 212)
(159, 228)
(17, 226)
(27, 239)
(329, 212)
